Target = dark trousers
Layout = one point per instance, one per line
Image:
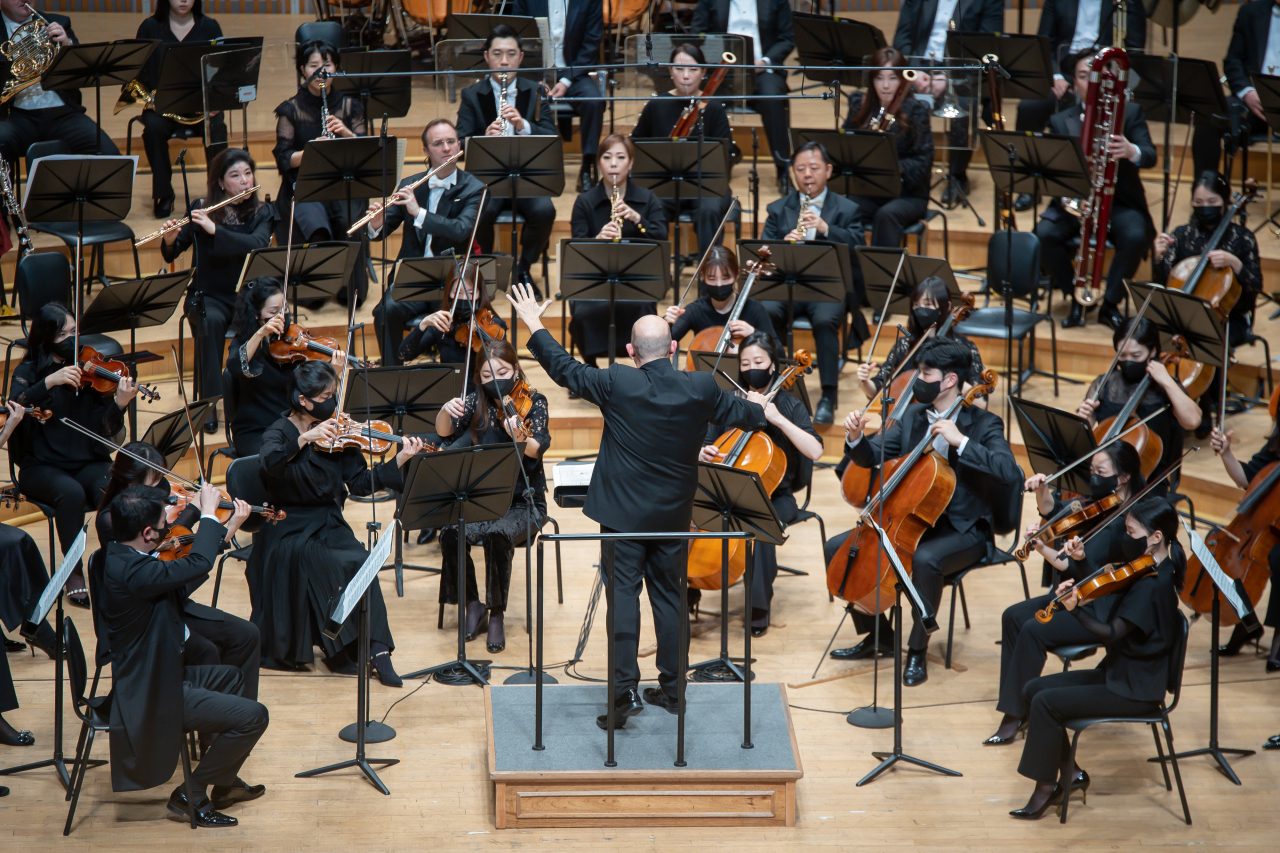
(156, 132)
(535, 233)
(389, 320)
(658, 564)
(1034, 113)
(69, 493)
(1067, 696)
(590, 114)
(827, 319)
(8, 696)
(1273, 603)
(24, 128)
(230, 641)
(1207, 141)
(774, 114)
(708, 211)
(210, 318)
(890, 216)
(1025, 643)
(1127, 229)
(499, 539)
(213, 703)
(765, 566)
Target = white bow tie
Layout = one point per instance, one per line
(440, 183)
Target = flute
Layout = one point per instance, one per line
(184, 220)
(368, 217)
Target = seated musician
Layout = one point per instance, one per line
(297, 123)
(524, 111)
(1025, 641)
(221, 240)
(443, 212)
(57, 465)
(711, 309)
(913, 140)
(1237, 251)
(1252, 50)
(973, 444)
(496, 371)
(828, 216)
(793, 434)
(1244, 475)
(439, 331)
(637, 214)
(1130, 227)
(173, 22)
(34, 115)
(1138, 360)
(659, 118)
(1139, 627)
(155, 698)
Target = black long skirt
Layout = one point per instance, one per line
(22, 575)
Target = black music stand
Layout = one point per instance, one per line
(688, 170)
(825, 40)
(365, 730)
(604, 271)
(343, 170)
(1025, 57)
(89, 66)
(1038, 164)
(231, 79)
(389, 96)
(879, 267)
(407, 398)
(732, 499)
(317, 271)
(470, 26)
(862, 162)
(425, 279)
(1181, 314)
(171, 435)
(1055, 438)
(449, 487)
(709, 361)
(804, 272)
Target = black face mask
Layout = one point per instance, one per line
(462, 312)
(324, 410)
(720, 292)
(1207, 217)
(926, 317)
(1133, 547)
(163, 534)
(925, 392)
(496, 389)
(1100, 487)
(65, 349)
(755, 378)
(1133, 371)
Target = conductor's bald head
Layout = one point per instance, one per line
(650, 340)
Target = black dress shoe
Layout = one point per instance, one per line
(826, 412)
(1076, 317)
(916, 672)
(957, 190)
(481, 620)
(658, 697)
(206, 815)
(1273, 742)
(866, 649)
(626, 704)
(526, 278)
(1023, 202)
(226, 796)
(386, 672)
(13, 646)
(4, 792)
(163, 208)
(497, 639)
(1239, 636)
(998, 740)
(1273, 665)
(584, 179)
(425, 536)
(22, 738)
(1109, 316)
(1025, 814)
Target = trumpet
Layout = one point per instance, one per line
(184, 220)
(368, 217)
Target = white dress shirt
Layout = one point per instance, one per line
(557, 15)
(511, 101)
(937, 45)
(815, 204)
(744, 20)
(33, 97)
(1271, 56)
(437, 187)
(1088, 20)
(940, 445)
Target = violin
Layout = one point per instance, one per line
(518, 404)
(297, 344)
(181, 496)
(373, 437)
(486, 329)
(103, 375)
(40, 415)
(1105, 581)
(1150, 446)
(177, 545)
(1071, 524)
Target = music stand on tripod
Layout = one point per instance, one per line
(478, 26)
(683, 170)
(804, 272)
(1178, 314)
(181, 84)
(317, 271)
(171, 435)
(862, 162)
(360, 78)
(604, 271)
(451, 487)
(89, 66)
(825, 40)
(231, 79)
(1055, 438)
(880, 265)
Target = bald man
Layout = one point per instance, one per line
(646, 473)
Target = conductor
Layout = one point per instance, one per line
(644, 481)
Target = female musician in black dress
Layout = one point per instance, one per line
(641, 215)
(57, 465)
(221, 239)
(1139, 626)
(483, 421)
(1138, 359)
(1025, 641)
(792, 432)
(913, 140)
(301, 563)
(1237, 251)
(173, 22)
(438, 332)
(719, 295)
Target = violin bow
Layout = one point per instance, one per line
(186, 408)
(1128, 336)
(135, 457)
(464, 284)
(884, 312)
(929, 332)
(471, 242)
(698, 269)
(1106, 443)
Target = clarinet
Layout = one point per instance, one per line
(325, 132)
(14, 209)
(503, 124)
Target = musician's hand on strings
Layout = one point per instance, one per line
(710, 453)
(1087, 410)
(1034, 482)
(1070, 598)
(759, 399)
(1221, 258)
(338, 359)
(69, 376)
(126, 390)
(1219, 441)
(1032, 530)
(1250, 98)
(58, 34)
(239, 512)
(853, 424)
(1163, 242)
(441, 320)
(673, 313)
(947, 428)
(412, 445)
(207, 499)
(322, 431)
(740, 329)
(1121, 148)
(16, 412)
(201, 218)
(170, 237)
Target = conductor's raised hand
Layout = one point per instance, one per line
(526, 305)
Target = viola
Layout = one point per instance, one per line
(103, 375)
(1068, 525)
(1118, 578)
(40, 415)
(297, 344)
(373, 437)
(181, 496)
(486, 329)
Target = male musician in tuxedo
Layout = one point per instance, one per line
(1254, 49)
(644, 481)
(440, 215)
(576, 28)
(526, 113)
(972, 443)
(768, 24)
(832, 218)
(34, 115)
(1130, 227)
(922, 32)
(154, 698)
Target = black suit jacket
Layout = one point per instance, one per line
(1129, 191)
(583, 30)
(450, 226)
(840, 214)
(1248, 45)
(69, 96)
(1058, 22)
(773, 18)
(142, 605)
(655, 419)
(915, 21)
(987, 461)
(478, 109)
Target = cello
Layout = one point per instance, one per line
(716, 338)
(915, 491)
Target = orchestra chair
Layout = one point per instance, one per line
(95, 718)
(804, 514)
(555, 525)
(1159, 718)
(920, 230)
(244, 483)
(1070, 654)
(94, 235)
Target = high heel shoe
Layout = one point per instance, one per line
(1025, 814)
(1239, 636)
(997, 740)
(495, 645)
(1273, 665)
(482, 620)
(381, 662)
(1080, 782)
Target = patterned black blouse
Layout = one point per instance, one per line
(298, 122)
(493, 433)
(1190, 240)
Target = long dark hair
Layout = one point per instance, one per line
(1124, 457)
(1145, 334)
(885, 57)
(766, 342)
(322, 47)
(45, 326)
(310, 379)
(475, 278)
(218, 169)
(126, 471)
(1157, 514)
(162, 10)
(249, 302)
(486, 409)
(928, 286)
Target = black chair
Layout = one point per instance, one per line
(920, 230)
(1023, 259)
(230, 403)
(803, 514)
(242, 482)
(94, 235)
(95, 718)
(1070, 654)
(1177, 656)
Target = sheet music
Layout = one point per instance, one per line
(904, 577)
(50, 594)
(1242, 606)
(573, 474)
(355, 589)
